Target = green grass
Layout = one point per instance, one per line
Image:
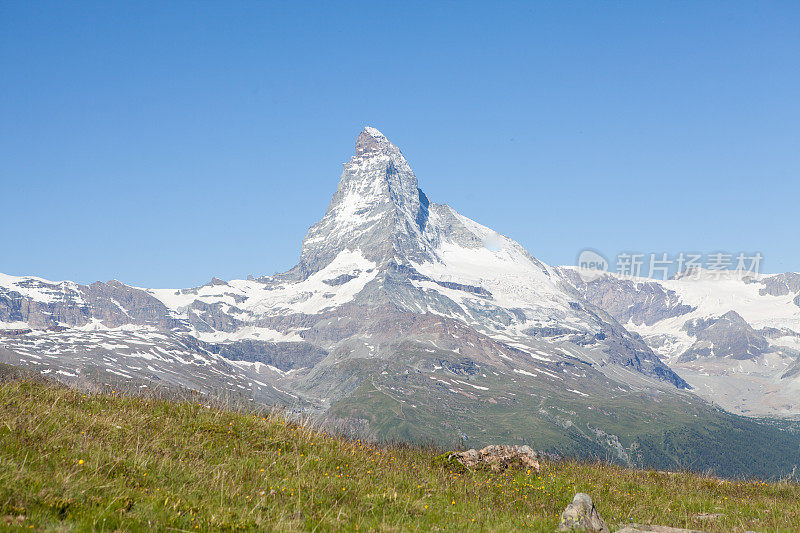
(70, 460)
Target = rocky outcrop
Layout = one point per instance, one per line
(498, 458)
(116, 304)
(781, 284)
(213, 317)
(793, 371)
(582, 515)
(42, 304)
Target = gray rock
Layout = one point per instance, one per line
(499, 458)
(582, 515)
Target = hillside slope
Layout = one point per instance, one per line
(74, 461)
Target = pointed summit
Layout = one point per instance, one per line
(371, 140)
(371, 143)
(377, 208)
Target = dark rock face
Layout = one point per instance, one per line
(116, 304)
(55, 303)
(480, 291)
(727, 336)
(776, 333)
(282, 355)
(340, 280)
(212, 317)
(368, 143)
(630, 301)
(461, 367)
(781, 284)
(793, 371)
(113, 304)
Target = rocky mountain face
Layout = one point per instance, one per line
(403, 319)
(735, 339)
(377, 209)
(728, 336)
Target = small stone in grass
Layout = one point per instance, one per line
(581, 515)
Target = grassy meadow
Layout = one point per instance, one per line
(78, 461)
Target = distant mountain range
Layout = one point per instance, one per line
(735, 339)
(405, 320)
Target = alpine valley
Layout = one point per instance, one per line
(404, 320)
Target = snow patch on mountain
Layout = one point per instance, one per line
(38, 289)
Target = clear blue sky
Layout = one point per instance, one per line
(165, 143)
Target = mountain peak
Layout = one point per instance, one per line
(377, 208)
(372, 142)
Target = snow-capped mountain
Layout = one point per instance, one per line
(402, 319)
(381, 245)
(734, 338)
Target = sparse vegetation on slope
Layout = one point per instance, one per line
(641, 428)
(70, 460)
